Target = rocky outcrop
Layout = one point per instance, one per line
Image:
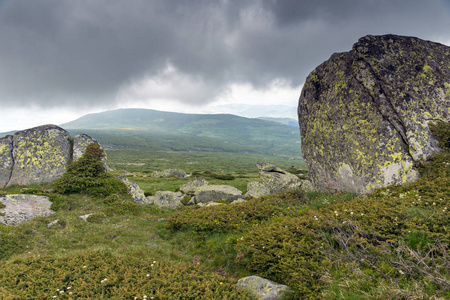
(278, 180)
(80, 143)
(364, 115)
(262, 288)
(256, 189)
(134, 190)
(39, 154)
(193, 185)
(166, 199)
(168, 173)
(22, 208)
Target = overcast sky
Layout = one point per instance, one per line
(60, 59)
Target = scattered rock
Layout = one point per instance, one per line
(52, 224)
(166, 199)
(168, 172)
(240, 200)
(209, 204)
(364, 115)
(22, 208)
(193, 185)
(212, 193)
(134, 190)
(84, 217)
(278, 180)
(256, 189)
(80, 143)
(262, 288)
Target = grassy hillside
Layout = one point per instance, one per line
(389, 244)
(158, 130)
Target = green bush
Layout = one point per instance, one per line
(286, 250)
(121, 204)
(88, 176)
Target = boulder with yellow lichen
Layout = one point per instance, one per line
(364, 115)
(39, 154)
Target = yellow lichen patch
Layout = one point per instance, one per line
(447, 90)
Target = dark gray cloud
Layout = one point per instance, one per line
(83, 52)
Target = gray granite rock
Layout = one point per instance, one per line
(262, 288)
(166, 199)
(134, 190)
(256, 189)
(22, 208)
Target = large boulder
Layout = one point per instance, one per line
(364, 115)
(22, 208)
(278, 180)
(262, 288)
(166, 199)
(40, 154)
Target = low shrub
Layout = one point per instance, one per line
(286, 250)
(88, 176)
(221, 218)
(102, 275)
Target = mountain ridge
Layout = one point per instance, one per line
(172, 131)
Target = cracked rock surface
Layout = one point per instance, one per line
(364, 115)
(39, 154)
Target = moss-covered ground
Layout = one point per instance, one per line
(389, 244)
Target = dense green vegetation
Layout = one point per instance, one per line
(390, 244)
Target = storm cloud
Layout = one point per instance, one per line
(57, 53)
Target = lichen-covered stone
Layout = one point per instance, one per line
(364, 115)
(134, 190)
(40, 154)
(193, 185)
(6, 159)
(166, 199)
(278, 180)
(80, 143)
(22, 208)
(256, 189)
(262, 288)
(212, 193)
(168, 173)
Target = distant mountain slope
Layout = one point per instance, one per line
(185, 132)
(285, 121)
